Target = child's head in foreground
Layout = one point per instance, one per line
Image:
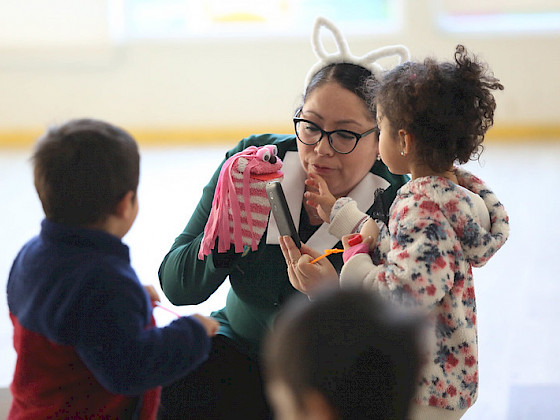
(84, 171)
(446, 107)
(344, 355)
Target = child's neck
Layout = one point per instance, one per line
(110, 225)
(422, 171)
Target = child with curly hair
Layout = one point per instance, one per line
(431, 115)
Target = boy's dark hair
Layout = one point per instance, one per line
(351, 77)
(82, 169)
(361, 353)
(447, 106)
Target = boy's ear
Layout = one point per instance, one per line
(125, 205)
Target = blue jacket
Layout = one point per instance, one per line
(83, 328)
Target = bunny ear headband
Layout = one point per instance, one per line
(343, 54)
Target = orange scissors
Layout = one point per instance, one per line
(354, 240)
(327, 253)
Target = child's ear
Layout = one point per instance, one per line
(125, 205)
(406, 141)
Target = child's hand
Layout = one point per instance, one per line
(319, 196)
(348, 241)
(355, 244)
(210, 324)
(370, 232)
(152, 292)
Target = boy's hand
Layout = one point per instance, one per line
(319, 196)
(152, 292)
(210, 324)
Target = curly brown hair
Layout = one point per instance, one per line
(447, 106)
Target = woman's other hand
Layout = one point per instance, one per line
(304, 276)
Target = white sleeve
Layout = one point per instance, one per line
(346, 220)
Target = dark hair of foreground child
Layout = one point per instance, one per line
(344, 355)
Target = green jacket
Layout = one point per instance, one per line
(259, 280)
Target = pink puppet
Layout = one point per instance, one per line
(242, 180)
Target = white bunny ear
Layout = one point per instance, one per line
(343, 54)
(339, 40)
(370, 58)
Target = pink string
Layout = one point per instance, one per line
(159, 305)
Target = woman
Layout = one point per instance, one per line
(337, 138)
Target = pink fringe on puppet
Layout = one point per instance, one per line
(242, 180)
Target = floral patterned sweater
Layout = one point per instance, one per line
(427, 253)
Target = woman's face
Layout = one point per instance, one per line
(332, 107)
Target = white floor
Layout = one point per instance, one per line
(517, 291)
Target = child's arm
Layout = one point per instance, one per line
(210, 324)
(418, 265)
(125, 354)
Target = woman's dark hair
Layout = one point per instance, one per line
(361, 353)
(447, 106)
(352, 77)
(82, 169)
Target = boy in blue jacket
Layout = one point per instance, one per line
(84, 334)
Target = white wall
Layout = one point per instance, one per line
(231, 83)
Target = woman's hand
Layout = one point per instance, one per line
(304, 276)
(319, 196)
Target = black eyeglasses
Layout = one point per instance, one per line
(342, 141)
